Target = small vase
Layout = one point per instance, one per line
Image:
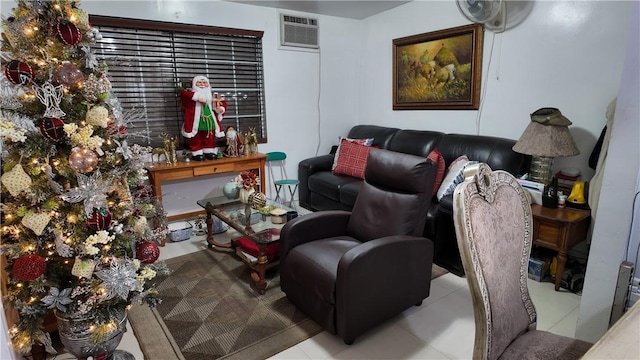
(230, 190)
(244, 194)
(74, 334)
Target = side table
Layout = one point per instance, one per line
(559, 230)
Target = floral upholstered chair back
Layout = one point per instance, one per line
(493, 224)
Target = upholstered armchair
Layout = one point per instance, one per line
(350, 271)
(493, 223)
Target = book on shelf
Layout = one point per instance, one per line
(565, 182)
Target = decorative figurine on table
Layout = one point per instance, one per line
(250, 141)
(169, 148)
(202, 118)
(234, 142)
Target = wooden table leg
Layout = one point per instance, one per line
(258, 274)
(562, 260)
(211, 242)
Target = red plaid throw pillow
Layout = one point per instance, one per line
(437, 159)
(352, 159)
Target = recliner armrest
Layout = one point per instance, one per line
(310, 227)
(379, 277)
(388, 254)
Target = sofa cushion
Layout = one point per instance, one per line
(452, 177)
(329, 185)
(381, 135)
(352, 159)
(366, 142)
(437, 159)
(494, 151)
(416, 142)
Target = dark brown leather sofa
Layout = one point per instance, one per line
(351, 270)
(321, 190)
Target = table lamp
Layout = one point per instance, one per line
(547, 136)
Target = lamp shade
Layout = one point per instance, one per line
(547, 135)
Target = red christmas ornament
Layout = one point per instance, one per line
(52, 129)
(147, 252)
(68, 33)
(29, 267)
(18, 72)
(100, 219)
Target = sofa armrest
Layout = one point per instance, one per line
(310, 227)
(308, 167)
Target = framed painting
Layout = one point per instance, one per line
(440, 70)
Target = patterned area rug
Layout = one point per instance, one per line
(210, 311)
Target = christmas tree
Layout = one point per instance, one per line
(79, 224)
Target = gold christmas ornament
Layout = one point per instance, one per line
(16, 180)
(83, 160)
(81, 17)
(36, 222)
(98, 116)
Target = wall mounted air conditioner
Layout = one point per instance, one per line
(296, 31)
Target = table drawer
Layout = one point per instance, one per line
(247, 165)
(213, 169)
(548, 232)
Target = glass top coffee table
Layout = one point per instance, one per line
(258, 246)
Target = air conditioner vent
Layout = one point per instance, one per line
(298, 31)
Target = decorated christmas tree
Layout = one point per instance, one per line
(79, 223)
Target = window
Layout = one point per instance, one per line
(148, 61)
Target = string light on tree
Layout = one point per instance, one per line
(65, 163)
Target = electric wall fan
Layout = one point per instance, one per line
(493, 13)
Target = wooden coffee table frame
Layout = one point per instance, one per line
(217, 206)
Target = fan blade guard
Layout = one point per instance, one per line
(480, 11)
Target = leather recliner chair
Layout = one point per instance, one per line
(350, 271)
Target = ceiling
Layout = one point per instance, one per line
(348, 9)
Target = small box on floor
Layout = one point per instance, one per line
(180, 230)
(538, 268)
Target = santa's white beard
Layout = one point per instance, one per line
(206, 93)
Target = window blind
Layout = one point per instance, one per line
(149, 61)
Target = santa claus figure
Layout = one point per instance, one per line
(202, 118)
(234, 143)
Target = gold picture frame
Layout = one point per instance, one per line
(439, 70)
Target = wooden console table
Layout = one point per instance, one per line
(159, 172)
(560, 230)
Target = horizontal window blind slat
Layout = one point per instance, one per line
(148, 60)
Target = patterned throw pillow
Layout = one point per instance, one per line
(455, 176)
(353, 159)
(366, 142)
(437, 159)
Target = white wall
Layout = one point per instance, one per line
(619, 183)
(565, 54)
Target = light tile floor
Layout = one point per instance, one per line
(441, 328)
